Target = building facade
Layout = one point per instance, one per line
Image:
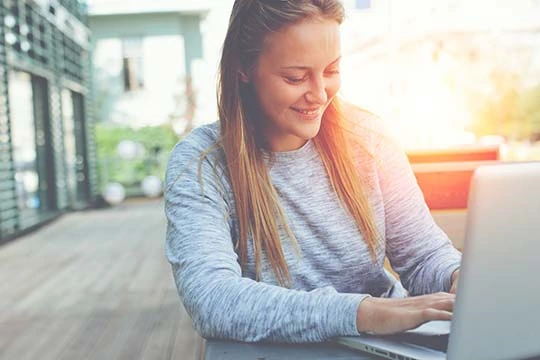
(47, 152)
(145, 56)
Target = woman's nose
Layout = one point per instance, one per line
(317, 92)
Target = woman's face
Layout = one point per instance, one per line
(295, 79)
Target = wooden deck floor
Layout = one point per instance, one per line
(93, 285)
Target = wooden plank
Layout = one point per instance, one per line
(94, 285)
(463, 153)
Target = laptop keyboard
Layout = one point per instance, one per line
(435, 342)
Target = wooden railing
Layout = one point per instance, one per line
(445, 175)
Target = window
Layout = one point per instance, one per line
(69, 144)
(132, 63)
(23, 132)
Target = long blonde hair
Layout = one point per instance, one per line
(258, 210)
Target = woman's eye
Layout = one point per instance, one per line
(294, 80)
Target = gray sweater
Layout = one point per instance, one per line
(333, 272)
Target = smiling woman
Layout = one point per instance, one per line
(296, 78)
(281, 231)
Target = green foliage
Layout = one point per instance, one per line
(514, 113)
(529, 110)
(157, 142)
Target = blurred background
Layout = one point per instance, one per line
(115, 84)
(95, 94)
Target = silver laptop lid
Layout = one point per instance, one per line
(497, 310)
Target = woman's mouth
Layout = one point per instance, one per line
(308, 112)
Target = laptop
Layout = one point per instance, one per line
(497, 309)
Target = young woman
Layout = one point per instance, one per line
(281, 214)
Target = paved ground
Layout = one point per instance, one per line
(93, 285)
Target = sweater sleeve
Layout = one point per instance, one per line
(418, 249)
(222, 303)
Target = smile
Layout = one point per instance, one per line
(307, 112)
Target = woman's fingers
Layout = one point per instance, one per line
(442, 301)
(424, 299)
(443, 304)
(435, 314)
(387, 316)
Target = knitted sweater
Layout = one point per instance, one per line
(332, 273)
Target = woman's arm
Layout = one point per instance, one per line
(222, 303)
(417, 248)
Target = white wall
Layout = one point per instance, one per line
(163, 59)
(164, 72)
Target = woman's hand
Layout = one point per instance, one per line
(388, 316)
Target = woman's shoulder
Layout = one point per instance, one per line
(199, 139)
(202, 142)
